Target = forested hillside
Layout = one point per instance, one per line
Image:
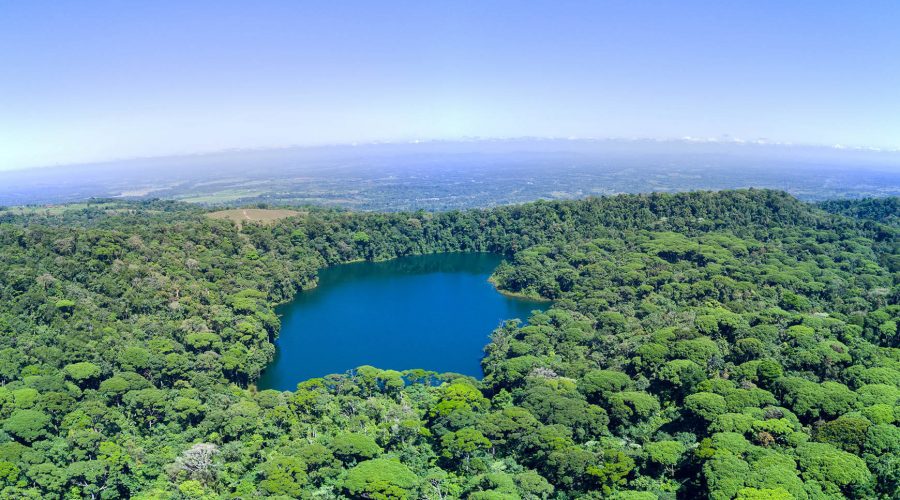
(885, 210)
(738, 344)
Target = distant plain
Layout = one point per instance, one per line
(459, 175)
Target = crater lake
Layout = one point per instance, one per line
(434, 312)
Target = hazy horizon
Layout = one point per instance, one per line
(891, 155)
(441, 175)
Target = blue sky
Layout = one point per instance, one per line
(87, 81)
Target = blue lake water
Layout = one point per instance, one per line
(434, 312)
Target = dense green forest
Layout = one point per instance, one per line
(885, 210)
(738, 344)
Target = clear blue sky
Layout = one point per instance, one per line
(93, 80)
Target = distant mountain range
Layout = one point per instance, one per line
(437, 175)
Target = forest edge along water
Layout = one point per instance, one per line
(434, 312)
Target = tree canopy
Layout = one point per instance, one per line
(738, 344)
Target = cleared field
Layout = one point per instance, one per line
(242, 215)
(225, 196)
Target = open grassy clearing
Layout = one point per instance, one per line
(265, 216)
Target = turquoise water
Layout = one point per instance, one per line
(434, 312)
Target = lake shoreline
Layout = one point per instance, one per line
(430, 311)
(519, 295)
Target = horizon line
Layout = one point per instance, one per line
(724, 139)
